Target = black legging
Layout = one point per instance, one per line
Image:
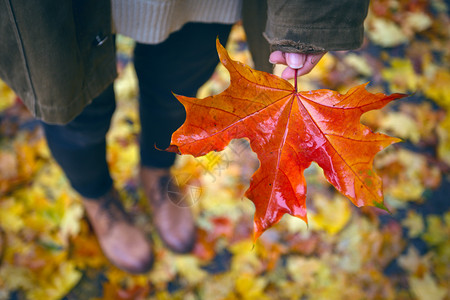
(181, 64)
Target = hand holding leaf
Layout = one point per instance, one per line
(288, 130)
(298, 64)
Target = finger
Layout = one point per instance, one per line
(295, 60)
(277, 57)
(288, 73)
(310, 63)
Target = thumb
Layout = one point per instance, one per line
(295, 60)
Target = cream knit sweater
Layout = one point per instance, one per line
(152, 21)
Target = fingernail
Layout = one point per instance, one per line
(294, 60)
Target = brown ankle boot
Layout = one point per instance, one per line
(122, 243)
(175, 223)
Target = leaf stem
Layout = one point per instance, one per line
(295, 80)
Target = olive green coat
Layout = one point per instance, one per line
(59, 55)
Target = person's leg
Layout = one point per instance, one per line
(181, 64)
(79, 147)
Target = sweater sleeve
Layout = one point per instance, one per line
(312, 26)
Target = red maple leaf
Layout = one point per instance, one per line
(288, 130)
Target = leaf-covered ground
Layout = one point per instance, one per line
(47, 250)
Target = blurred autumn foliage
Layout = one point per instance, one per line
(47, 250)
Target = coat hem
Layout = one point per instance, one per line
(63, 115)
